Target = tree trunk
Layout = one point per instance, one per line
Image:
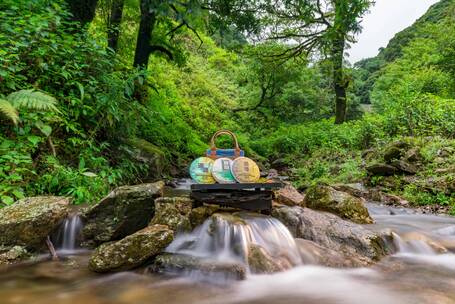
(83, 11)
(115, 18)
(144, 36)
(339, 81)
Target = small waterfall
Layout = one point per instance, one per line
(413, 246)
(66, 238)
(242, 238)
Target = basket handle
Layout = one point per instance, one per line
(224, 132)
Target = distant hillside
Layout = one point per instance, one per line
(368, 70)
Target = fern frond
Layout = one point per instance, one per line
(9, 111)
(32, 100)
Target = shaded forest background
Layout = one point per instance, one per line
(84, 107)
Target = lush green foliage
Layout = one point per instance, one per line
(78, 120)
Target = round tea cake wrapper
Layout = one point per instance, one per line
(221, 171)
(245, 170)
(201, 170)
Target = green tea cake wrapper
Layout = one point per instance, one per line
(221, 171)
(201, 170)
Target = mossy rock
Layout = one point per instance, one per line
(29, 221)
(11, 255)
(325, 198)
(200, 214)
(173, 212)
(149, 154)
(124, 211)
(131, 251)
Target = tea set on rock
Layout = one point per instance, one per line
(224, 166)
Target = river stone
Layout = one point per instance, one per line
(289, 196)
(332, 232)
(260, 262)
(124, 211)
(325, 198)
(131, 251)
(180, 263)
(382, 169)
(11, 255)
(200, 214)
(173, 212)
(29, 221)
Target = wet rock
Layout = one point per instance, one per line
(381, 169)
(29, 221)
(180, 263)
(325, 198)
(332, 232)
(404, 167)
(289, 196)
(200, 214)
(260, 262)
(131, 251)
(173, 212)
(11, 255)
(124, 211)
(315, 254)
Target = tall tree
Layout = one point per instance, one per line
(113, 24)
(82, 11)
(323, 27)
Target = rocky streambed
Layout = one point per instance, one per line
(143, 247)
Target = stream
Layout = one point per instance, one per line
(419, 273)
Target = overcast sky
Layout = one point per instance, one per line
(385, 19)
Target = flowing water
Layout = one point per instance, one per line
(66, 239)
(422, 271)
(229, 238)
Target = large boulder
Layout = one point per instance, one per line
(289, 196)
(180, 263)
(124, 211)
(332, 232)
(325, 198)
(173, 212)
(131, 251)
(29, 221)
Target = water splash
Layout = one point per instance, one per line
(66, 238)
(229, 238)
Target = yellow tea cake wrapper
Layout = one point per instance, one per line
(245, 170)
